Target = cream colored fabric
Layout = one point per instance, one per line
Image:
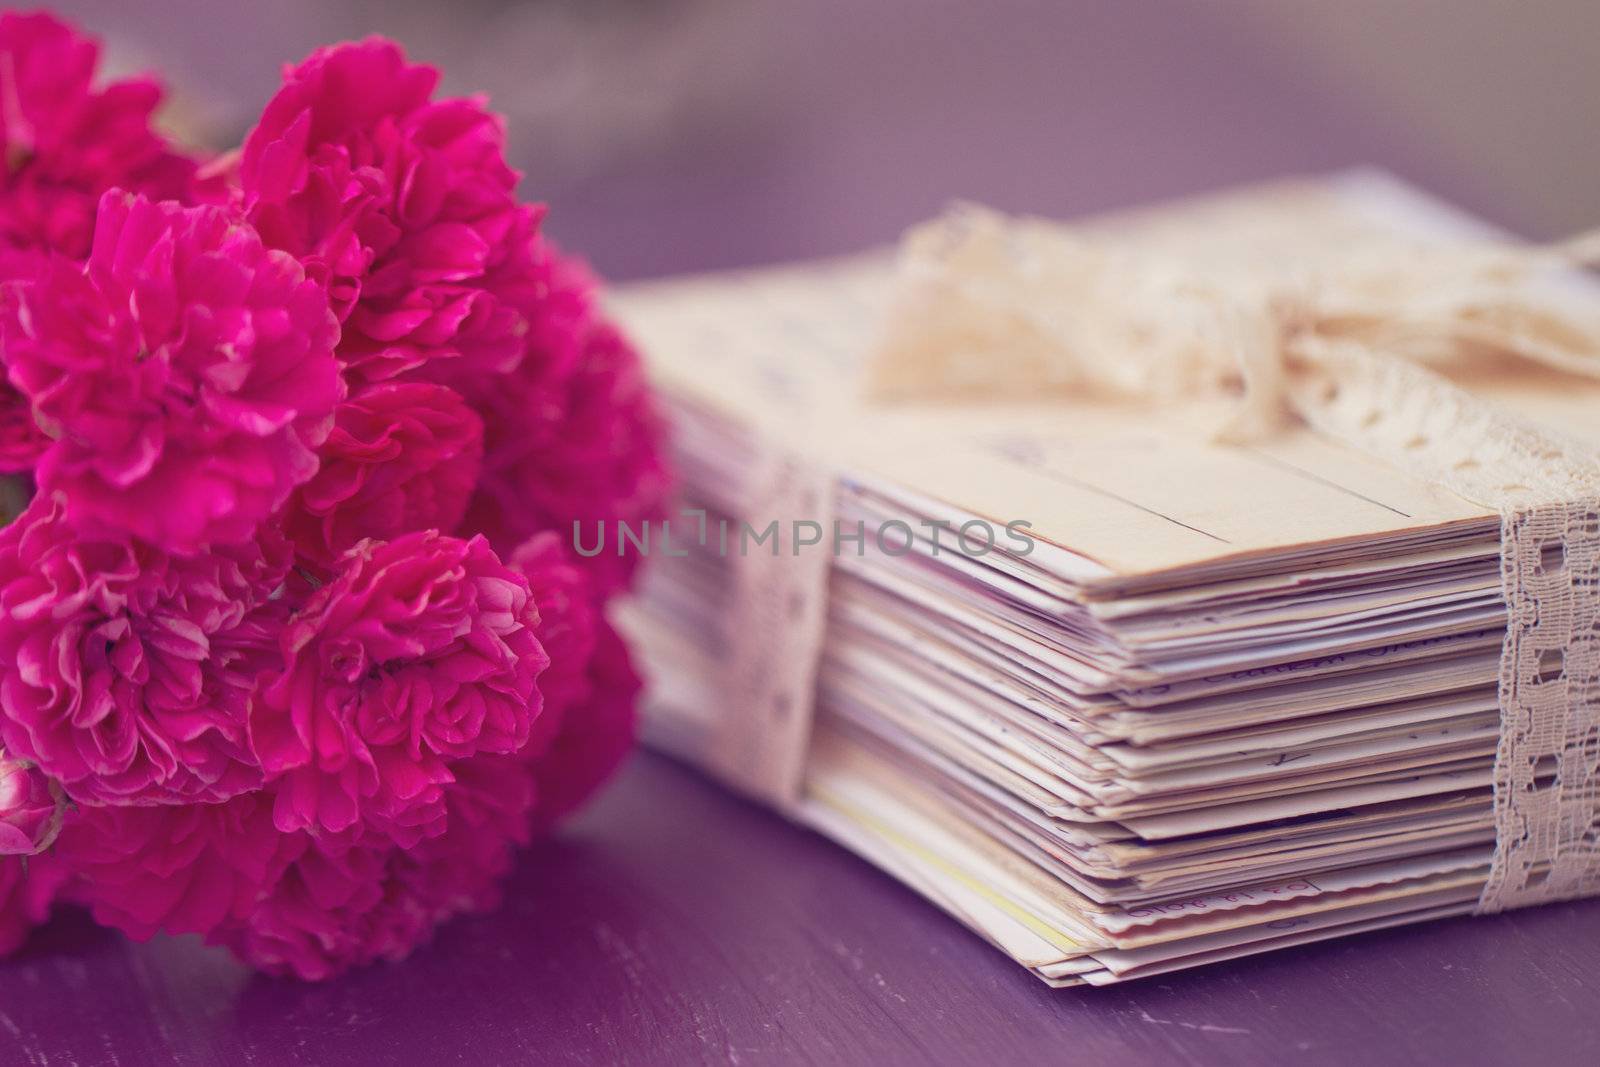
(1547, 768)
(1349, 339)
(779, 613)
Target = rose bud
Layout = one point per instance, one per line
(31, 808)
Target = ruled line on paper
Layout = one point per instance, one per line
(1109, 495)
(1029, 454)
(1284, 464)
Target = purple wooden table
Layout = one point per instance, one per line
(675, 924)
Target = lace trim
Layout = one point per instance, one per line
(778, 613)
(1417, 421)
(1547, 769)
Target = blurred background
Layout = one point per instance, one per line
(673, 135)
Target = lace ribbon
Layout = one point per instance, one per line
(778, 614)
(1345, 340)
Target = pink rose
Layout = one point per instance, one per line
(402, 457)
(337, 906)
(358, 897)
(31, 807)
(21, 440)
(404, 204)
(568, 621)
(126, 673)
(186, 869)
(594, 734)
(187, 374)
(66, 142)
(420, 652)
(590, 689)
(572, 435)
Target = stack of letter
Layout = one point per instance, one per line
(1121, 699)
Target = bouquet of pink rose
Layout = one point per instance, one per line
(293, 648)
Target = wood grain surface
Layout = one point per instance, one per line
(676, 924)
